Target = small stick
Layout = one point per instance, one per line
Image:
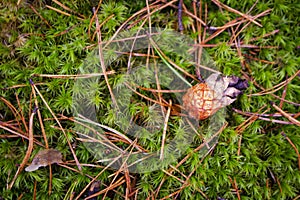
(180, 25)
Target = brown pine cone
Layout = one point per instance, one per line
(204, 99)
(199, 101)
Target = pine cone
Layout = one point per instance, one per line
(204, 99)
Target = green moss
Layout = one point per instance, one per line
(266, 167)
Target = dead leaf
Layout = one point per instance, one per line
(43, 158)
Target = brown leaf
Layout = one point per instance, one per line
(43, 158)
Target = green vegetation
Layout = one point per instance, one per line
(254, 158)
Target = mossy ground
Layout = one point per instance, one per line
(258, 160)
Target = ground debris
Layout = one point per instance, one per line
(43, 158)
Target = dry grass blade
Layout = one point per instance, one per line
(100, 25)
(185, 11)
(249, 121)
(104, 140)
(145, 97)
(262, 88)
(260, 37)
(169, 174)
(93, 18)
(28, 152)
(186, 182)
(277, 87)
(20, 85)
(158, 90)
(263, 118)
(169, 61)
(255, 17)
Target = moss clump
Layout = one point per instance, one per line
(258, 162)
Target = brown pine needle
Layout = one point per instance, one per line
(36, 12)
(294, 147)
(119, 182)
(62, 12)
(161, 157)
(101, 58)
(73, 76)
(40, 120)
(96, 177)
(28, 152)
(123, 168)
(59, 124)
(250, 18)
(18, 134)
(233, 182)
(15, 112)
(68, 9)
(189, 155)
(288, 116)
(277, 87)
